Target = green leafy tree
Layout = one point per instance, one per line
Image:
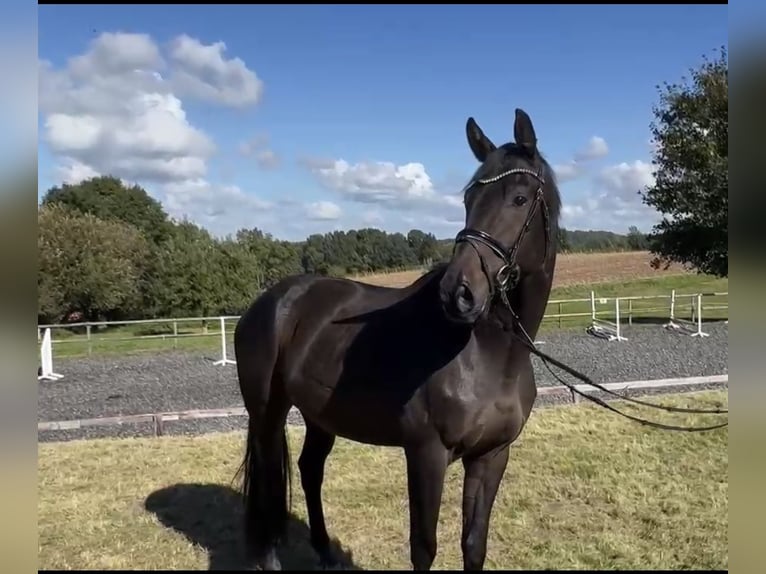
(189, 264)
(107, 197)
(424, 246)
(87, 265)
(637, 241)
(273, 259)
(691, 189)
(241, 275)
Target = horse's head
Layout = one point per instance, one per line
(512, 206)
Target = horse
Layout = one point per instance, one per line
(430, 367)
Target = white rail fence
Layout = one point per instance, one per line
(607, 316)
(692, 327)
(602, 327)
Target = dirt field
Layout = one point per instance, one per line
(571, 269)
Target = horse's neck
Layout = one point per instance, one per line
(534, 299)
(530, 298)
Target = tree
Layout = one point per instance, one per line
(424, 246)
(189, 265)
(274, 259)
(691, 189)
(107, 197)
(87, 265)
(637, 241)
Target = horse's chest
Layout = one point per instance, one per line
(478, 422)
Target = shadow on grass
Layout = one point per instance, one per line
(210, 515)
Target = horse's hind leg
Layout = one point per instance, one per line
(316, 449)
(482, 479)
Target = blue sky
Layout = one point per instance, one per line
(313, 119)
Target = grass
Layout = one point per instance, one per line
(584, 489)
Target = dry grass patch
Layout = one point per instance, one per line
(571, 269)
(584, 489)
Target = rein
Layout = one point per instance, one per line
(508, 276)
(526, 340)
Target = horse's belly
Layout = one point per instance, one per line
(358, 421)
(354, 410)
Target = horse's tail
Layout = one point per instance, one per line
(265, 468)
(266, 488)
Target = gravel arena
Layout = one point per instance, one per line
(177, 381)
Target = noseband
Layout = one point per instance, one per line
(508, 276)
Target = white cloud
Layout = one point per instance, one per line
(323, 211)
(113, 110)
(202, 71)
(443, 222)
(614, 203)
(73, 172)
(267, 159)
(595, 148)
(626, 179)
(372, 218)
(249, 147)
(258, 147)
(220, 208)
(380, 182)
(567, 171)
(209, 199)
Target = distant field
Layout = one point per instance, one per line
(571, 269)
(584, 489)
(115, 340)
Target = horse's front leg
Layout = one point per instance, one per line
(426, 466)
(482, 479)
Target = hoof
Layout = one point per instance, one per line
(268, 561)
(328, 562)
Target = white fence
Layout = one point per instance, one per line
(606, 314)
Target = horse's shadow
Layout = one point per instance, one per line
(210, 515)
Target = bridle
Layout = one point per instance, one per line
(508, 276)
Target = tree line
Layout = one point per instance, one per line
(107, 251)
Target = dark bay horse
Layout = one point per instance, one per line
(430, 368)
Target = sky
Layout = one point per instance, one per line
(301, 120)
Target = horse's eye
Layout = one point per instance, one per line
(519, 200)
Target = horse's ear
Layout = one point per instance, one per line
(481, 146)
(524, 133)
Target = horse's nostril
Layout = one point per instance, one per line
(464, 298)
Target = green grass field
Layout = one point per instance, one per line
(160, 337)
(584, 489)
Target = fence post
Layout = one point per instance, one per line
(630, 312)
(560, 315)
(175, 334)
(691, 307)
(90, 343)
(225, 360)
